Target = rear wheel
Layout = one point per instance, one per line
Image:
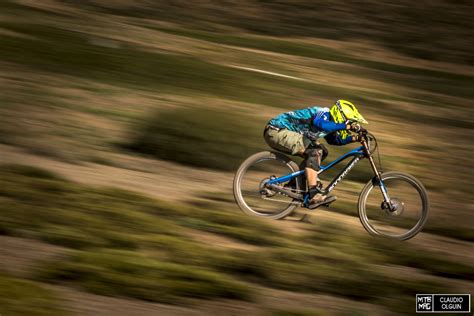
(251, 193)
(406, 215)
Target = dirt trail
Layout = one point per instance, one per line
(463, 250)
(159, 179)
(170, 181)
(19, 256)
(166, 180)
(83, 303)
(219, 241)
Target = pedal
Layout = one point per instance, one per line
(325, 203)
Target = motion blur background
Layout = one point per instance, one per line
(123, 122)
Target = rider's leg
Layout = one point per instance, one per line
(313, 156)
(296, 144)
(313, 164)
(311, 176)
(315, 194)
(289, 142)
(286, 141)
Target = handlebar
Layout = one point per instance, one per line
(368, 138)
(363, 131)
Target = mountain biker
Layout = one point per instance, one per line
(298, 132)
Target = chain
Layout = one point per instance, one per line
(286, 202)
(292, 190)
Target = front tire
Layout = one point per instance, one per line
(249, 178)
(411, 206)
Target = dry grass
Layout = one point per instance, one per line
(69, 119)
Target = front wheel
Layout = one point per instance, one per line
(406, 215)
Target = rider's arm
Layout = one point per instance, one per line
(336, 139)
(323, 123)
(328, 126)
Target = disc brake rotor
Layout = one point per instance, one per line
(397, 207)
(265, 192)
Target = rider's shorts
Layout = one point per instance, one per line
(286, 141)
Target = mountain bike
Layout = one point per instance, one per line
(392, 204)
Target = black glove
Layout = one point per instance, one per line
(355, 127)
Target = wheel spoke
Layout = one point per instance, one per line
(252, 193)
(253, 182)
(408, 212)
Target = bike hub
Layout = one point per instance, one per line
(394, 208)
(264, 190)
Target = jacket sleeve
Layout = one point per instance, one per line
(336, 139)
(324, 124)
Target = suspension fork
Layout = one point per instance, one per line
(378, 176)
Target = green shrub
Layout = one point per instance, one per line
(68, 52)
(401, 253)
(250, 265)
(235, 225)
(38, 204)
(129, 242)
(71, 215)
(21, 297)
(438, 228)
(301, 19)
(125, 273)
(30, 171)
(200, 137)
(436, 265)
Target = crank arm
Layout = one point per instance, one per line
(283, 191)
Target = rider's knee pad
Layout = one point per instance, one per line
(313, 156)
(324, 153)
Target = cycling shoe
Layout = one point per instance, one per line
(328, 200)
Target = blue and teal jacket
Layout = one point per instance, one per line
(313, 122)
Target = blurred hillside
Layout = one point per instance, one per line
(436, 30)
(122, 124)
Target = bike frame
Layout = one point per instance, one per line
(356, 154)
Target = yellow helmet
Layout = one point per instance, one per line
(344, 110)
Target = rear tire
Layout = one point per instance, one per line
(254, 160)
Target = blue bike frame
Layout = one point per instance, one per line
(356, 153)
